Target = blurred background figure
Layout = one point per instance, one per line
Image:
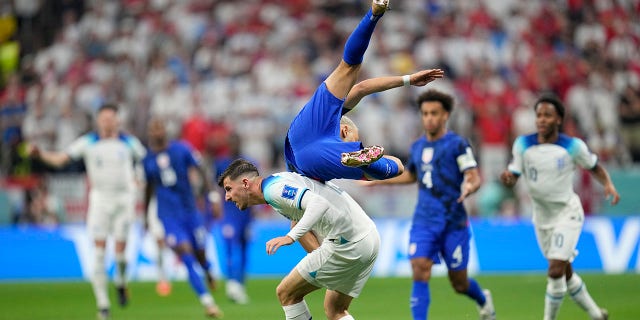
(235, 226)
(153, 226)
(175, 177)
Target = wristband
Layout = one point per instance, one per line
(406, 80)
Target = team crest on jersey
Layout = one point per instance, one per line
(289, 192)
(427, 155)
(561, 163)
(163, 160)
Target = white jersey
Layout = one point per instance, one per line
(549, 171)
(109, 162)
(344, 220)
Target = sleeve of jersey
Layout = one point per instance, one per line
(281, 194)
(192, 156)
(137, 148)
(466, 159)
(314, 208)
(77, 148)
(581, 154)
(515, 166)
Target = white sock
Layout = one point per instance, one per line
(298, 311)
(121, 269)
(556, 289)
(578, 291)
(206, 299)
(347, 317)
(99, 279)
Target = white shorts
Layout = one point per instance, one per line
(558, 241)
(110, 214)
(341, 267)
(154, 225)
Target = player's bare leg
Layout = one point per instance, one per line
(291, 292)
(336, 305)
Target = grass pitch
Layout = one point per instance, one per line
(519, 297)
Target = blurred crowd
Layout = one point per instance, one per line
(214, 67)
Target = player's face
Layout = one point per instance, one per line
(434, 117)
(547, 119)
(107, 122)
(236, 191)
(156, 131)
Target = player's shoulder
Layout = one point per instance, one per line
(453, 137)
(91, 137)
(568, 141)
(525, 141)
(284, 185)
(127, 137)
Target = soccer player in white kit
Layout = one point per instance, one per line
(109, 157)
(342, 246)
(547, 160)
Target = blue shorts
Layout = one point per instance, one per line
(313, 146)
(451, 244)
(185, 228)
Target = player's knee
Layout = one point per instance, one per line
(284, 295)
(556, 269)
(421, 268)
(421, 273)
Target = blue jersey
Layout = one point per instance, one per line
(313, 146)
(439, 168)
(168, 172)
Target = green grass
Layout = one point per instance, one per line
(516, 297)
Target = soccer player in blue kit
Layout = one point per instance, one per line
(235, 227)
(443, 164)
(316, 144)
(167, 169)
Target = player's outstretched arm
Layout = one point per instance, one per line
(601, 174)
(373, 85)
(308, 241)
(405, 177)
(470, 184)
(55, 159)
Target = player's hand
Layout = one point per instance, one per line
(508, 179)
(611, 192)
(275, 243)
(467, 189)
(32, 151)
(421, 78)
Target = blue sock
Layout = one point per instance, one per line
(475, 292)
(382, 169)
(194, 278)
(420, 300)
(359, 39)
